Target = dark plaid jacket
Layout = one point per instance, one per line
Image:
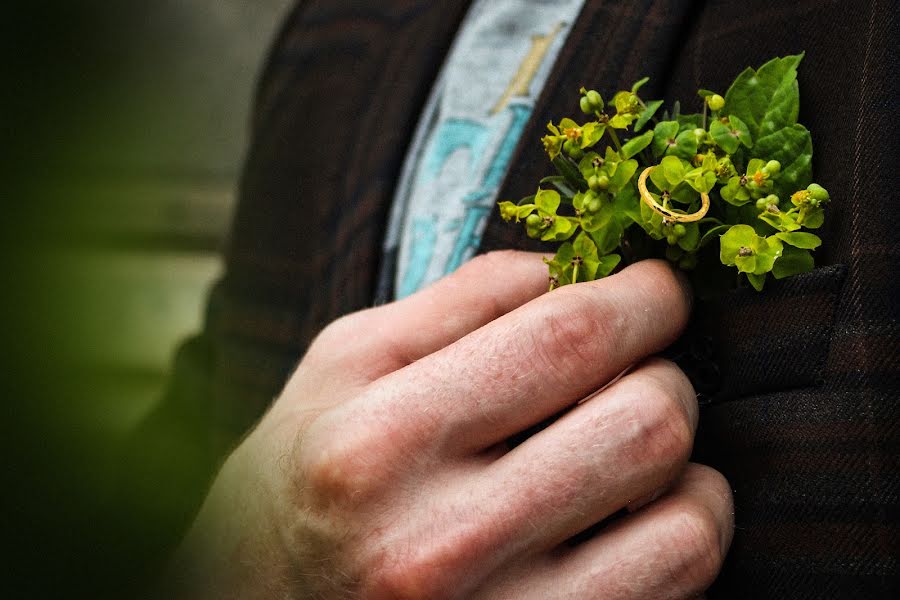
(800, 382)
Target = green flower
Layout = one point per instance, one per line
(669, 138)
(541, 220)
(755, 183)
(568, 132)
(730, 133)
(628, 109)
(609, 173)
(753, 254)
(809, 203)
(579, 261)
(670, 178)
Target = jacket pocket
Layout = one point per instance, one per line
(748, 343)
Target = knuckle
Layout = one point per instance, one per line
(481, 264)
(665, 433)
(332, 341)
(421, 573)
(337, 469)
(489, 261)
(716, 483)
(661, 276)
(696, 554)
(671, 378)
(573, 333)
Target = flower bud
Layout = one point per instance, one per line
(715, 102)
(591, 102)
(533, 220)
(572, 148)
(508, 211)
(773, 167)
(598, 182)
(818, 192)
(586, 106)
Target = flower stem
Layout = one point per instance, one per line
(614, 137)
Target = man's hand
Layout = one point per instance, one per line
(383, 470)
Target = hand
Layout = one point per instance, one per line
(382, 472)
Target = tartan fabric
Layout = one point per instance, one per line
(800, 384)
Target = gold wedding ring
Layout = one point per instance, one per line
(667, 214)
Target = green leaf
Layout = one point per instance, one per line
(736, 237)
(584, 246)
(812, 217)
(560, 183)
(659, 179)
(800, 239)
(749, 252)
(591, 134)
(565, 168)
(767, 99)
(663, 136)
(552, 145)
(685, 145)
(705, 93)
(635, 145)
(639, 84)
(712, 234)
(523, 210)
(647, 114)
(691, 239)
(628, 205)
(622, 120)
(607, 264)
(562, 229)
(547, 201)
(586, 164)
(782, 221)
(740, 129)
(757, 281)
(792, 262)
(792, 147)
(624, 172)
(673, 170)
(768, 251)
(626, 102)
(734, 193)
(721, 133)
(692, 121)
(608, 235)
(755, 166)
(702, 181)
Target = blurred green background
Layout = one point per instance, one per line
(124, 129)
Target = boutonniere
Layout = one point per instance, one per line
(728, 188)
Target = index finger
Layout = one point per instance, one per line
(539, 359)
